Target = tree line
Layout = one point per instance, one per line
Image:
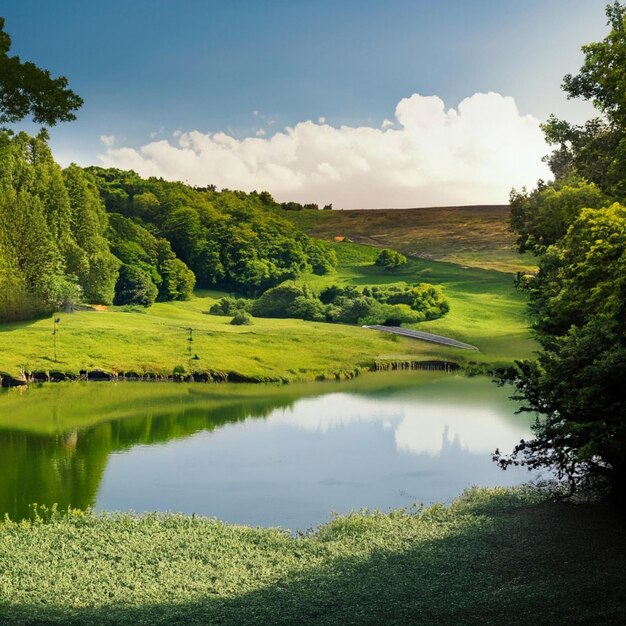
(108, 236)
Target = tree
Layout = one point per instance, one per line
(578, 297)
(596, 150)
(541, 217)
(577, 383)
(134, 286)
(25, 90)
(390, 259)
(89, 258)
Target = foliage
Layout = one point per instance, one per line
(289, 300)
(390, 259)
(231, 306)
(88, 257)
(579, 303)
(349, 305)
(134, 245)
(241, 318)
(25, 89)
(229, 239)
(541, 217)
(134, 286)
(578, 298)
(596, 150)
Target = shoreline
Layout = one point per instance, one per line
(213, 376)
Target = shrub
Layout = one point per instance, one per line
(241, 319)
(230, 306)
(390, 259)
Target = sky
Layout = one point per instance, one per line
(360, 103)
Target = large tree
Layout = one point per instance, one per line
(26, 89)
(578, 297)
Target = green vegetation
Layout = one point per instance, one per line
(347, 305)
(485, 310)
(229, 239)
(103, 236)
(390, 259)
(155, 341)
(493, 557)
(578, 297)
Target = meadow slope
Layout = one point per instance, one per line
(486, 311)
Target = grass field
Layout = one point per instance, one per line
(486, 311)
(494, 557)
(485, 308)
(471, 236)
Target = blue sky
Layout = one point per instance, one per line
(149, 68)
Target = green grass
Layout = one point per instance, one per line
(486, 311)
(494, 557)
(156, 341)
(485, 308)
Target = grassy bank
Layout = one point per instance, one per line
(486, 311)
(495, 556)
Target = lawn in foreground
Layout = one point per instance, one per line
(494, 557)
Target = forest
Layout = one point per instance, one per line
(110, 237)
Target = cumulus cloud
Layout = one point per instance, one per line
(430, 155)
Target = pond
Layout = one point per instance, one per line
(255, 454)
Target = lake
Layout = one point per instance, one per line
(255, 454)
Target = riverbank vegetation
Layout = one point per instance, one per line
(483, 560)
(578, 298)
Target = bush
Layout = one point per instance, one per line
(230, 306)
(241, 319)
(390, 259)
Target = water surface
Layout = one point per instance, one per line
(252, 454)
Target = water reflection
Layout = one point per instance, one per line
(271, 456)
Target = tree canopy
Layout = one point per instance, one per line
(26, 89)
(390, 259)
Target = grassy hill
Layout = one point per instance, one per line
(486, 311)
(472, 236)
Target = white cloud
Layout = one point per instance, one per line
(321, 120)
(108, 140)
(386, 124)
(260, 133)
(473, 154)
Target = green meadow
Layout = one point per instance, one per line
(486, 311)
(495, 556)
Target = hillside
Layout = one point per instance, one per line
(473, 236)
